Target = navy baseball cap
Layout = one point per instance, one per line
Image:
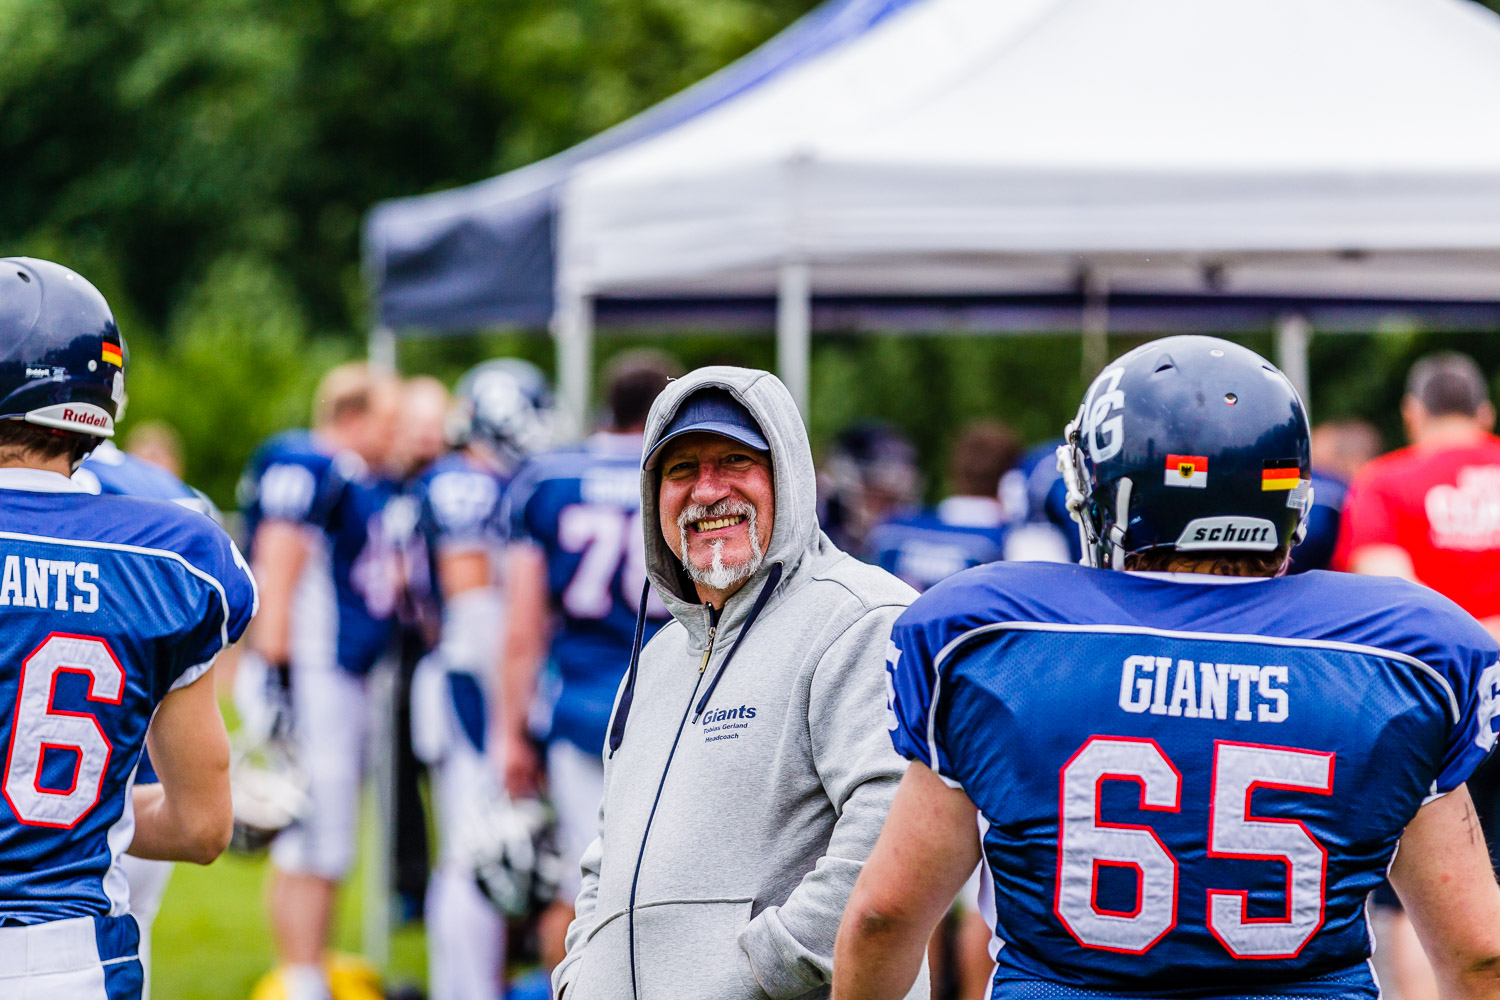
(712, 411)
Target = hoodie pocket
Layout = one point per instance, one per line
(689, 948)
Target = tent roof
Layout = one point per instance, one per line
(1306, 147)
(483, 253)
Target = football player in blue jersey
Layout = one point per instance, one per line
(1190, 770)
(112, 610)
(501, 414)
(108, 470)
(328, 580)
(577, 561)
(968, 529)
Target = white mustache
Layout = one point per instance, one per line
(724, 508)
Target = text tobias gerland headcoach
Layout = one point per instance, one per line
(748, 770)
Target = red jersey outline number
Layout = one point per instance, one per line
(36, 727)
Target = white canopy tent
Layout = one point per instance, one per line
(1312, 148)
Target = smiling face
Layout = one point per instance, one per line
(717, 506)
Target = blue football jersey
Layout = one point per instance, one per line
(581, 507)
(458, 506)
(1189, 786)
(1316, 549)
(107, 604)
(112, 471)
(349, 587)
(932, 545)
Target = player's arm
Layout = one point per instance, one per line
(1442, 874)
(526, 636)
(926, 850)
(281, 551)
(188, 816)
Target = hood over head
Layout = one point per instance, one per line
(795, 530)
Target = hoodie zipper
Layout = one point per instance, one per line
(713, 627)
(713, 630)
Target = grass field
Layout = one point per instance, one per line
(210, 941)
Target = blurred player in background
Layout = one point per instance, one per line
(1340, 448)
(501, 414)
(313, 509)
(113, 610)
(1191, 772)
(1035, 494)
(970, 528)
(108, 470)
(870, 476)
(157, 442)
(1430, 512)
(967, 529)
(575, 569)
(419, 441)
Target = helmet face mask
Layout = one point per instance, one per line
(1189, 445)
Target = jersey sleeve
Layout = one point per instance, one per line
(519, 508)
(1475, 679)
(229, 599)
(912, 688)
(298, 488)
(460, 509)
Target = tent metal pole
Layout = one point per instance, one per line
(573, 328)
(382, 349)
(794, 330)
(1293, 336)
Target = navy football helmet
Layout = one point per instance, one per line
(1193, 444)
(505, 404)
(62, 362)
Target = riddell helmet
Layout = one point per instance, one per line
(62, 362)
(506, 404)
(1189, 443)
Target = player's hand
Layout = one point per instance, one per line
(523, 767)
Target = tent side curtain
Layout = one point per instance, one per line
(485, 254)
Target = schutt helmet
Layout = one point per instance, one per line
(1193, 444)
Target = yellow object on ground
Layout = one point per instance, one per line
(349, 978)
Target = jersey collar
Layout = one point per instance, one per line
(1198, 577)
(37, 481)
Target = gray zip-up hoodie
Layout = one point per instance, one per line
(732, 831)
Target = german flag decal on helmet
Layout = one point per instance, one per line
(1279, 474)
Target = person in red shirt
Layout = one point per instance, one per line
(1430, 512)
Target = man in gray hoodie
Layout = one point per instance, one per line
(748, 769)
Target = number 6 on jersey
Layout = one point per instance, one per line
(37, 727)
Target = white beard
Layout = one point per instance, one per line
(717, 576)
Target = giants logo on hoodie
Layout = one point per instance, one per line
(726, 723)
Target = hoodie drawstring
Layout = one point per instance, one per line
(755, 609)
(622, 710)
